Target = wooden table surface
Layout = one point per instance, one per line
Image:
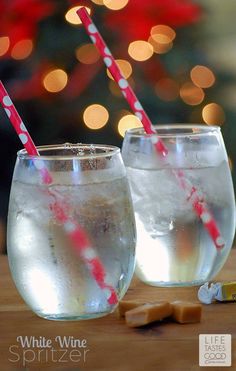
(110, 344)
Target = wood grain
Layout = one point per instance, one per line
(111, 345)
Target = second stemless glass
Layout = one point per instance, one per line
(173, 246)
(89, 182)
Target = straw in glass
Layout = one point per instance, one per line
(192, 195)
(75, 233)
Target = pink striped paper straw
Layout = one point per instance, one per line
(76, 234)
(192, 194)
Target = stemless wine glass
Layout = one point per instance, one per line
(89, 182)
(173, 246)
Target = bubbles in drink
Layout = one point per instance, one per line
(50, 275)
(173, 246)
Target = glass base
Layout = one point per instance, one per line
(175, 283)
(66, 317)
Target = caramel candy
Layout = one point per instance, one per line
(148, 313)
(125, 305)
(186, 312)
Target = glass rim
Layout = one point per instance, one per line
(197, 129)
(109, 150)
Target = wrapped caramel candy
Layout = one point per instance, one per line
(221, 291)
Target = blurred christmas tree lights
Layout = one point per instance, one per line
(188, 86)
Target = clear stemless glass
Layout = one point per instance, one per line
(173, 246)
(90, 182)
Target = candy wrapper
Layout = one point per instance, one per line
(221, 291)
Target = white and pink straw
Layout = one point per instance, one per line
(192, 195)
(77, 236)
